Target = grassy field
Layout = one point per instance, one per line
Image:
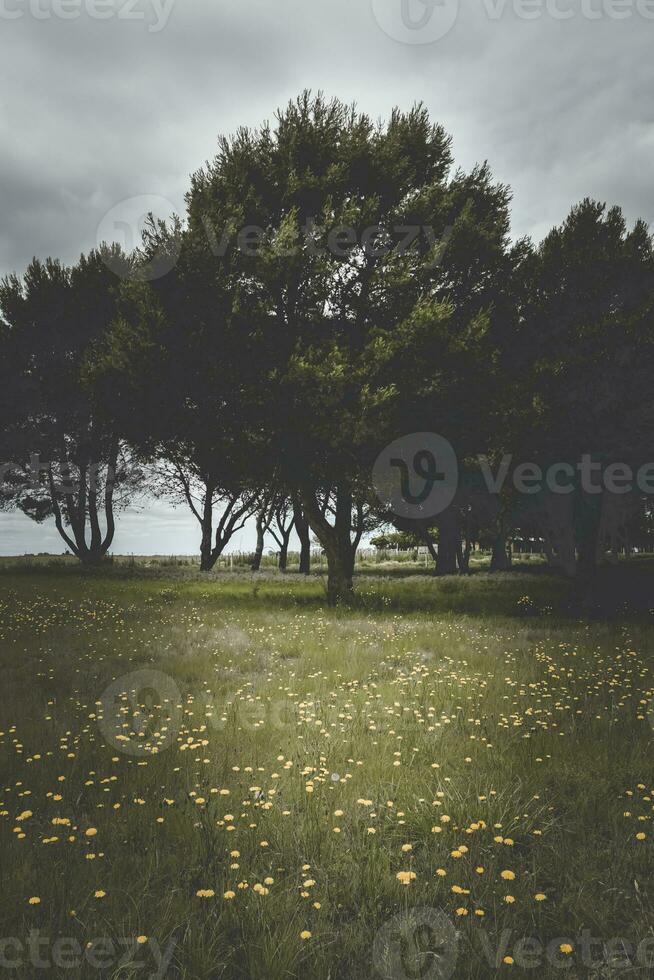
(205, 777)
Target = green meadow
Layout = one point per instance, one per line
(207, 776)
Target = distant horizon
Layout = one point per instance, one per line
(161, 530)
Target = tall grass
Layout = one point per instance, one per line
(259, 770)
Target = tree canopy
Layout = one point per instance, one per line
(335, 285)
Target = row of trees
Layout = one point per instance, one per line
(262, 374)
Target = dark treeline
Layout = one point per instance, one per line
(253, 359)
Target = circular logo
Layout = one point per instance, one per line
(419, 944)
(416, 477)
(125, 225)
(141, 712)
(416, 21)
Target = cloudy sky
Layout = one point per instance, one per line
(107, 101)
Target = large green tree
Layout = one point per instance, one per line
(589, 336)
(68, 455)
(179, 373)
(371, 275)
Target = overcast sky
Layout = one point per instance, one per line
(109, 100)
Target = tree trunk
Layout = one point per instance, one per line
(84, 505)
(206, 558)
(587, 556)
(587, 527)
(258, 551)
(426, 537)
(283, 554)
(558, 531)
(500, 559)
(92, 557)
(281, 531)
(449, 537)
(463, 556)
(94, 521)
(340, 573)
(302, 529)
(588, 516)
(336, 541)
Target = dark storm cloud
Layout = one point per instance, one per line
(103, 110)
